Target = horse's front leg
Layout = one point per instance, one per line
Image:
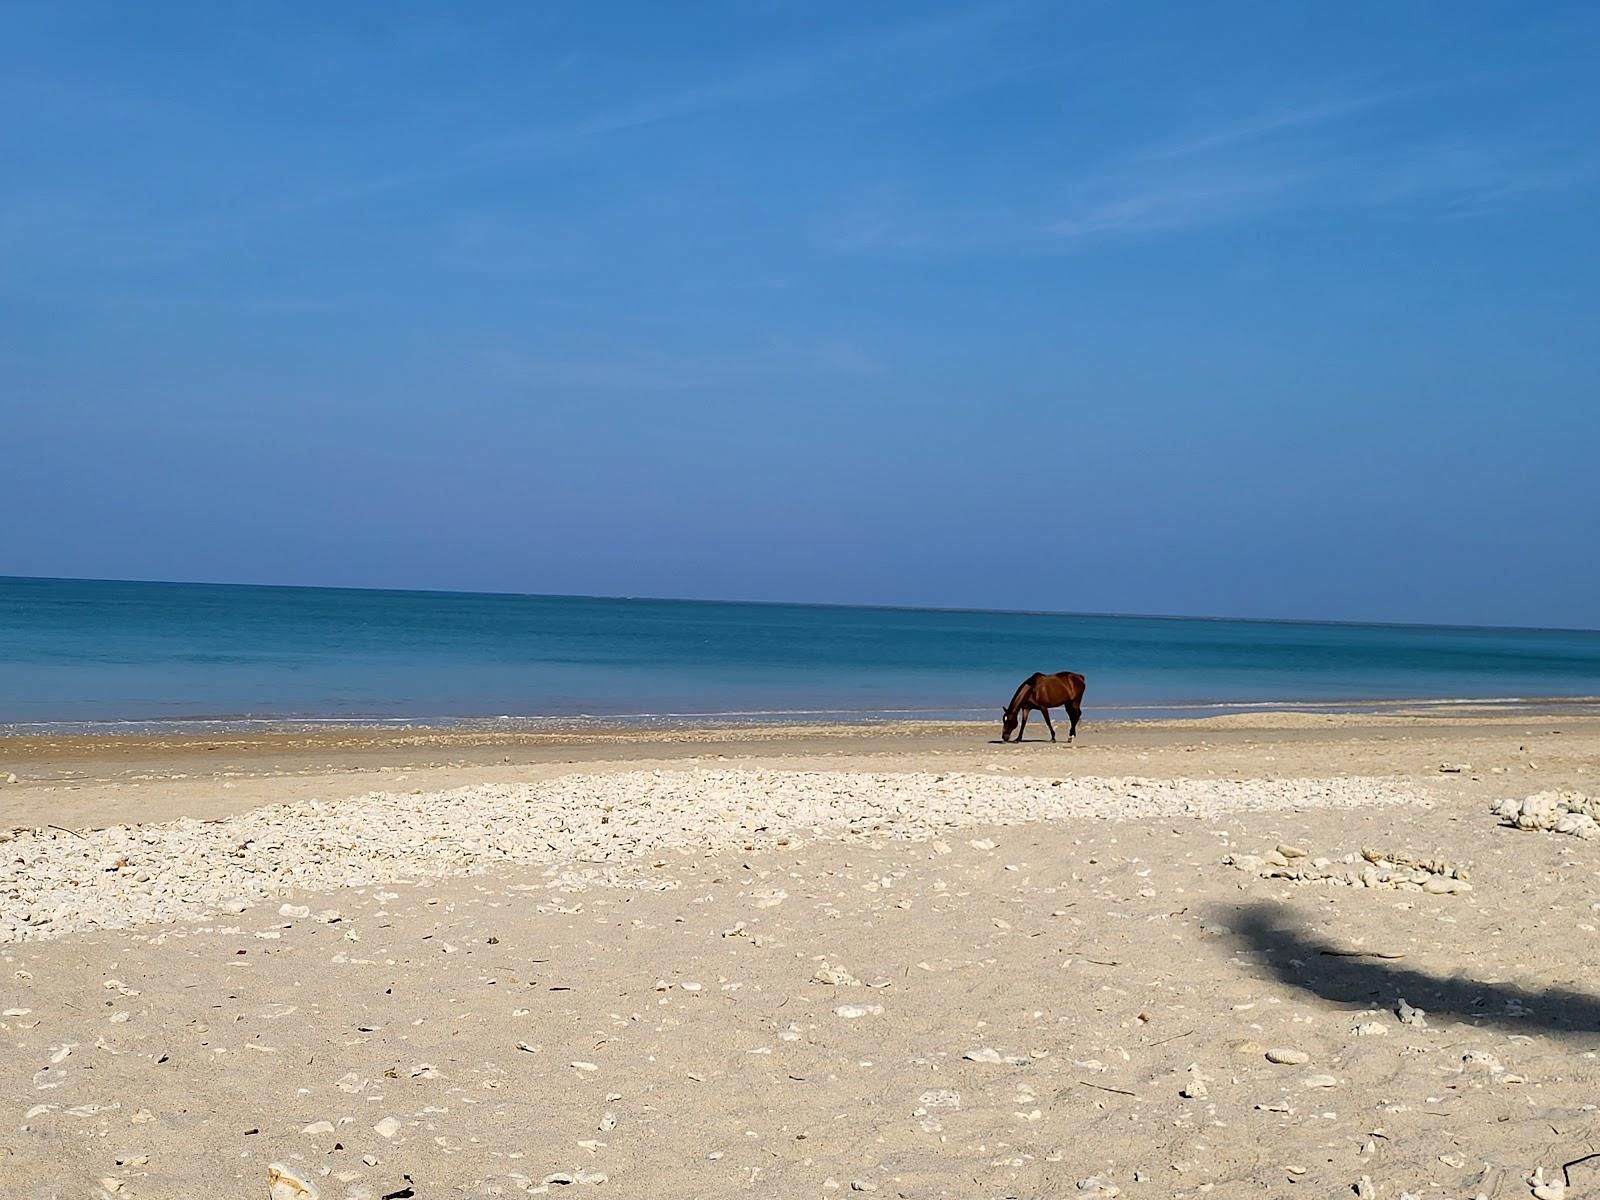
(1045, 713)
(1022, 728)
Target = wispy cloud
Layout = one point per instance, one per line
(1269, 123)
(103, 228)
(758, 82)
(1378, 148)
(1132, 205)
(1359, 149)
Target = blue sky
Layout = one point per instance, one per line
(1240, 309)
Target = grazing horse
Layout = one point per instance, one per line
(1044, 692)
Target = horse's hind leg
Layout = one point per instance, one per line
(1045, 713)
(1074, 711)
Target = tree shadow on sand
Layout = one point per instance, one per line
(1327, 969)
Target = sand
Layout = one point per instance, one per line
(815, 962)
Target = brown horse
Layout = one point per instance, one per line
(1044, 692)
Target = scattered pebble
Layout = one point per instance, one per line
(1095, 1188)
(285, 1184)
(1553, 1188)
(851, 1011)
(1566, 812)
(1289, 1057)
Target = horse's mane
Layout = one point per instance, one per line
(1022, 687)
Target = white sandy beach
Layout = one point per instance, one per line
(1012, 972)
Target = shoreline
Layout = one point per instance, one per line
(623, 724)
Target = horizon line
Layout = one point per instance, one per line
(928, 608)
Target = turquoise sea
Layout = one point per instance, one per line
(74, 651)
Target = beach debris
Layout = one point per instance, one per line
(1364, 1190)
(295, 911)
(940, 1098)
(1563, 811)
(1096, 1188)
(1195, 1087)
(1371, 869)
(285, 1184)
(1410, 1016)
(1321, 1081)
(1287, 1056)
(835, 975)
(1432, 866)
(59, 885)
(1481, 1060)
(1546, 1189)
(1455, 768)
(851, 1011)
(387, 1127)
(988, 1054)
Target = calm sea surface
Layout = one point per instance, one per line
(79, 651)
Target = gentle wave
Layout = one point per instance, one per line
(508, 723)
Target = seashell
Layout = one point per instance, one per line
(284, 1184)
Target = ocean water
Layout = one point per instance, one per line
(94, 651)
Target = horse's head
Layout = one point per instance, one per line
(1008, 723)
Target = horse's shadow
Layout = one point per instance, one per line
(1305, 961)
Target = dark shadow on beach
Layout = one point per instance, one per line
(1304, 960)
